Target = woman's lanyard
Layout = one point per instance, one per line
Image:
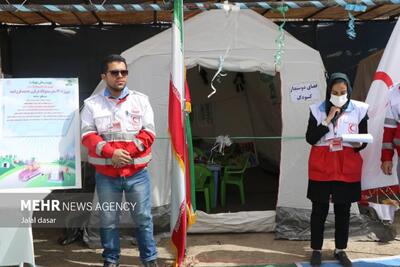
(336, 143)
(335, 124)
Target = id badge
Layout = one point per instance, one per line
(335, 144)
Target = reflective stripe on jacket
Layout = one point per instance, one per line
(109, 124)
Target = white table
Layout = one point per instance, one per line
(16, 243)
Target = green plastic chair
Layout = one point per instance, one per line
(202, 175)
(234, 175)
(198, 152)
(199, 155)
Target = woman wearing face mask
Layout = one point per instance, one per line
(334, 167)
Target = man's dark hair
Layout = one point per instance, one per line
(109, 59)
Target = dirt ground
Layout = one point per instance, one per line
(204, 250)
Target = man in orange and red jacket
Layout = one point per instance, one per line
(391, 134)
(118, 131)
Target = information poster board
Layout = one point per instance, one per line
(39, 133)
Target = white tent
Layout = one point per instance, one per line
(251, 38)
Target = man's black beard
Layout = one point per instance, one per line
(117, 90)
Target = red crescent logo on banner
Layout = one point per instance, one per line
(383, 76)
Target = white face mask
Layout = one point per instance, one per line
(338, 101)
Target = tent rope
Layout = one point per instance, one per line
(393, 193)
(245, 137)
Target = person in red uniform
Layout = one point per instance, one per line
(118, 131)
(391, 132)
(334, 166)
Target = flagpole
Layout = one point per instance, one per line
(176, 125)
(191, 187)
(191, 162)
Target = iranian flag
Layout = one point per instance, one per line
(176, 125)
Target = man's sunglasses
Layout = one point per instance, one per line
(116, 73)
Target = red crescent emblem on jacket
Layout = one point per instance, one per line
(352, 128)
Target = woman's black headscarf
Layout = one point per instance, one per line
(335, 77)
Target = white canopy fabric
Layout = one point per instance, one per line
(251, 39)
